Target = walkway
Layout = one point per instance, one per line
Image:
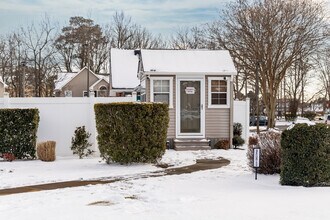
(200, 165)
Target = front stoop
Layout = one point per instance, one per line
(191, 144)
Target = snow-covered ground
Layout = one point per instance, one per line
(230, 192)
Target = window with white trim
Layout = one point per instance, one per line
(218, 92)
(161, 90)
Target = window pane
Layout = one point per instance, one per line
(223, 99)
(161, 86)
(223, 86)
(161, 97)
(215, 85)
(157, 85)
(165, 85)
(218, 99)
(218, 85)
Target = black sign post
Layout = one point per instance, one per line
(256, 159)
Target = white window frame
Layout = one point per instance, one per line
(170, 104)
(210, 105)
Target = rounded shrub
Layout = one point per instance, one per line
(306, 155)
(18, 132)
(269, 143)
(131, 132)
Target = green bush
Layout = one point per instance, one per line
(131, 132)
(18, 132)
(237, 132)
(306, 155)
(269, 143)
(80, 143)
(309, 114)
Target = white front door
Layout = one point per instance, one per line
(190, 108)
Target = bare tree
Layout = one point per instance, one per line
(125, 34)
(268, 37)
(83, 43)
(39, 41)
(12, 54)
(296, 81)
(189, 38)
(323, 66)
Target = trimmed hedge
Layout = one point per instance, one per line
(18, 132)
(306, 155)
(131, 132)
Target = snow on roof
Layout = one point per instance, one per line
(63, 79)
(188, 61)
(124, 66)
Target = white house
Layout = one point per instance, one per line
(197, 85)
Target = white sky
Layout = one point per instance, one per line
(159, 16)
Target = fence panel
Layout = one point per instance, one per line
(242, 115)
(59, 117)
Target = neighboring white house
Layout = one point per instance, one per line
(123, 72)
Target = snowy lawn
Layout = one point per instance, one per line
(226, 193)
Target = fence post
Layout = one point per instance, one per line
(6, 100)
(92, 123)
(134, 96)
(247, 121)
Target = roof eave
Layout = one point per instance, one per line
(226, 73)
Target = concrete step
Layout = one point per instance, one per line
(185, 148)
(191, 144)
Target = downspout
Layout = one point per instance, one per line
(231, 114)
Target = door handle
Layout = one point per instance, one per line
(201, 106)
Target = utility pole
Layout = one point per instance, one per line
(22, 80)
(257, 95)
(87, 57)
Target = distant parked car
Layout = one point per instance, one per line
(263, 121)
(327, 120)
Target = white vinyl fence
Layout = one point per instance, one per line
(242, 115)
(59, 117)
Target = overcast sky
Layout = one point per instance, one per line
(159, 16)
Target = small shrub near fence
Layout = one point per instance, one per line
(18, 132)
(46, 151)
(309, 114)
(80, 143)
(270, 145)
(131, 132)
(306, 155)
(237, 132)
